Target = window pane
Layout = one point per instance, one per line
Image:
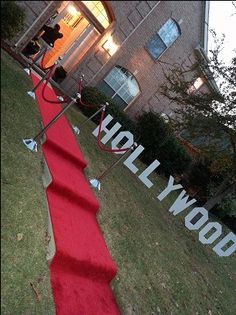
(122, 83)
(115, 79)
(119, 101)
(124, 95)
(133, 87)
(169, 32)
(98, 10)
(106, 88)
(156, 46)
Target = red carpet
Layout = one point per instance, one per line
(82, 267)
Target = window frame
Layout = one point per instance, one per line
(157, 33)
(84, 10)
(192, 89)
(115, 91)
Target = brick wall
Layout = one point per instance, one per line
(33, 9)
(133, 55)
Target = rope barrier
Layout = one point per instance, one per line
(79, 95)
(100, 145)
(45, 85)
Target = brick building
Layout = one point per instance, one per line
(121, 46)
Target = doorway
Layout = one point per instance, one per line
(78, 36)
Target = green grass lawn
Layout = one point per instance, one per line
(24, 207)
(162, 267)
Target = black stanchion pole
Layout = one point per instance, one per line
(31, 143)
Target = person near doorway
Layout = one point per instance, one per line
(46, 39)
(51, 34)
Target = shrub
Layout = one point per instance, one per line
(200, 175)
(12, 19)
(227, 206)
(93, 96)
(173, 157)
(160, 143)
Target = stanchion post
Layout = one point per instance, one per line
(77, 130)
(38, 56)
(40, 82)
(32, 143)
(51, 81)
(96, 182)
(31, 93)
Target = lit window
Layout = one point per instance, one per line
(121, 86)
(166, 36)
(198, 83)
(110, 46)
(196, 86)
(98, 10)
(72, 17)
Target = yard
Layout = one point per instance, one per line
(162, 267)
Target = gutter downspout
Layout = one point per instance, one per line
(134, 30)
(205, 25)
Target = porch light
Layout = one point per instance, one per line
(72, 10)
(110, 46)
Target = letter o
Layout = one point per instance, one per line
(195, 226)
(231, 237)
(119, 137)
(206, 229)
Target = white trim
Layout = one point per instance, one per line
(206, 25)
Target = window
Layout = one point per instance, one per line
(72, 17)
(166, 36)
(98, 10)
(121, 86)
(195, 86)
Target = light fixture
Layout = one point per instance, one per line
(110, 46)
(72, 10)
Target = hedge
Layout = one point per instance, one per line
(160, 143)
(93, 96)
(12, 19)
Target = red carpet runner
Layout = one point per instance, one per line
(82, 267)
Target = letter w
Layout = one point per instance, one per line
(181, 203)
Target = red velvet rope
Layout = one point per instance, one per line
(100, 145)
(80, 100)
(45, 85)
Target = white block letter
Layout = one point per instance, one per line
(144, 175)
(199, 222)
(119, 137)
(218, 230)
(170, 187)
(109, 133)
(231, 237)
(133, 156)
(181, 203)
